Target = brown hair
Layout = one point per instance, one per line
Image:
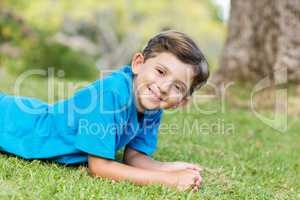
(185, 49)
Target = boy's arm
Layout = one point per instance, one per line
(137, 159)
(182, 179)
(140, 160)
(110, 169)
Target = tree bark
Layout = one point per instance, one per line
(263, 37)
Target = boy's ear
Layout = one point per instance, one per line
(137, 61)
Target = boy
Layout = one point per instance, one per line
(123, 109)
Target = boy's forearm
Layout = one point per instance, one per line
(140, 160)
(118, 172)
(144, 162)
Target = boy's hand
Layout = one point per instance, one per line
(186, 179)
(178, 165)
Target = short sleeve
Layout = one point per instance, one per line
(95, 113)
(146, 139)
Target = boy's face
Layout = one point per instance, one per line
(161, 82)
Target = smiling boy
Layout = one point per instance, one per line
(123, 109)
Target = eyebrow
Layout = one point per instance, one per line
(166, 68)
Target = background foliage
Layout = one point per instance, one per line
(82, 36)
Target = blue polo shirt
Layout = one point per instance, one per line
(99, 119)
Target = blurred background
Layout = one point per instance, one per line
(253, 44)
(83, 37)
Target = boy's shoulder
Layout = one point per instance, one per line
(120, 80)
(119, 83)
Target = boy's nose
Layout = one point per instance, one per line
(164, 87)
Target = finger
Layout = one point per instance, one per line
(196, 185)
(195, 189)
(197, 178)
(198, 182)
(194, 167)
(196, 172)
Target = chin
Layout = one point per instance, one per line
(146, 104)
(151, 107)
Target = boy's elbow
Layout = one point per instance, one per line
(97, 165)
(101, 168)
(130, 155)
(92, 171)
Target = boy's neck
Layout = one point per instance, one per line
(140, 116)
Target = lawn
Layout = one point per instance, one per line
(242, 158)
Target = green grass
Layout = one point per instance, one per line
(249, 161)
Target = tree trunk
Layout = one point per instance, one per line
(263, 37)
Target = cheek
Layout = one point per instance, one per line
(152, 77)
(141, 82)
(171, 102)
(148, 77)
(174, 97)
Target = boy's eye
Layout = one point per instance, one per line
(160, 71)
(178, 87)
